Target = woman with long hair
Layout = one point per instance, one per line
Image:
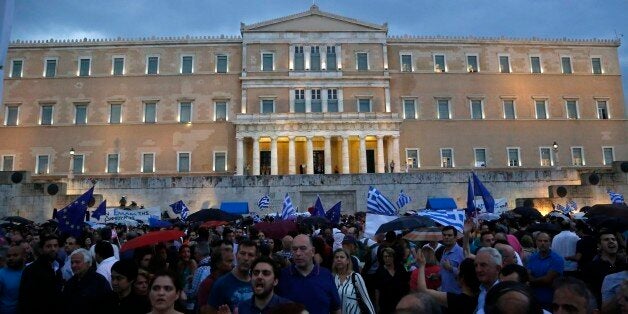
(164, 292)
(186, 266)
(467, 301)
(140, 286)
(350, 285)
(392, 281)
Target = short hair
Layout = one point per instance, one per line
(446, 228)
(202, 248)
(604, 231)
(423, 303)
(493, 252)
(87, 256)
(178, 286)
(269, 261)
(467, 273)
(247, 243)
(47, 237)
(521, 271)
(493, 306)
(104, 249)
(105, 233)
(539, 233)
(215, 259)
(578, 287)
(226, 231)
(485, 233)
(126, 268)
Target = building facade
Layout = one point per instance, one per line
(310, 93)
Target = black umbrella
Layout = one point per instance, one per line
(528, 212)
(608, 210)
(212, 214)
(406, 222)
(315, 221)
(18, 220)
(545, 227)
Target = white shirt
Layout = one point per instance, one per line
(564, 244)
(116, 250)
(104, 268)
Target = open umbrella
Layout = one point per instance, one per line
(315, 221)
(18, 220)
(156, 223)
(545, 227)
(213, 224)
(558, 214)
(277, 229)
(608, 210)
(528, 213)
(212, 214)
(406, 222)
(152, 238)
(425, 234)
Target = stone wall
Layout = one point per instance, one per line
(32, 200)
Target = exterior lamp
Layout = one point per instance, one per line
(72, 152)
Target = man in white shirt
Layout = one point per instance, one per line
(564, 244)
(105, 259)
(488, 263)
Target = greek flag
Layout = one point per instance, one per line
(256, 218)
(403, 200)
(377, 203)
(571, 206)
(264, 202)
(561, 208)
(288, 210)
(616, 198)
(453, 218)
(180, 208)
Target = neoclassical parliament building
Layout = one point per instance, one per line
(309, 93)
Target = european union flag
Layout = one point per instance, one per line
(333, 214)
(101, 210)
(71, 217)
(318, 207)
(180, 208)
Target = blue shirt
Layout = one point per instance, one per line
(316, 291)
(449, 282)
(229, 290)
(539, 267)
(248, 306)
(9, 289)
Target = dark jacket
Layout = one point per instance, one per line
(40, 288)
(132, 304)
(88, 294)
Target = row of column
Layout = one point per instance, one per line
(274, 169)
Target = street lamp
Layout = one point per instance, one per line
(555, 148)
(71, 173)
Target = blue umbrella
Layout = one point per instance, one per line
(156, 223)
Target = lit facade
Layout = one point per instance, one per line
(309, 93)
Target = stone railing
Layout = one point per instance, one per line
(245, 118)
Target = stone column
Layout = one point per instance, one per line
(310, 156)
(323, 54)
(292, 164)
(362, 154)
(240, 155)
(328, 155)
(256, 156)
(395, 153)
(380, 154)
(345, 154)
(387, 99)
(274, 167)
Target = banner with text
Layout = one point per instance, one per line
(122, 216)
(501, 205)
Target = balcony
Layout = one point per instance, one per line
(246, 118)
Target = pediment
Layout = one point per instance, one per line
(313, 20)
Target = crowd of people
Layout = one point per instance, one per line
(501, 266)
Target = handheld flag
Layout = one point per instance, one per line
(571, 206)
(403, 200)
(560, 208)
(377, 203)
(453, 218)
(471, 210)
(101, 210)
(480, 190)
(288, 210)
(616, 198)
(333, 214)
(264, 202)
(180, 208)
(71, 216)
(318, 207)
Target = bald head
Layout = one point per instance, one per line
(15, 257)
(507, 252)
(417, 303)
(303, 252)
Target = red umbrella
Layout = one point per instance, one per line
(152, 238)
(213, 224)
(276, 230)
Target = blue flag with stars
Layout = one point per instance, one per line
(71, 217)
(180, 208)
(333, 214)
(101, 210)
(318, 207)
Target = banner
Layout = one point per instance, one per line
(116, 215)
(373, 221)
(501, 205)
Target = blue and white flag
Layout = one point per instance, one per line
(180, 208)
(71, 217)
(453, 218)
(264, 202)
(288, 211)
(377, 203)
(100, 211)
(560, 208)
(256, 218)
(616, 198)
(571, 206)
(403, 200)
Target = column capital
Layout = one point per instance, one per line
(291, 137)
(239, 138)
(274, 137)
(379, 136)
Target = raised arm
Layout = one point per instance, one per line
(439, 296)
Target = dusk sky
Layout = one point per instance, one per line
(74, 19)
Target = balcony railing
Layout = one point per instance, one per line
(243, 118)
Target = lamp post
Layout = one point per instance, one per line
(71, 173)
(555, 149)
